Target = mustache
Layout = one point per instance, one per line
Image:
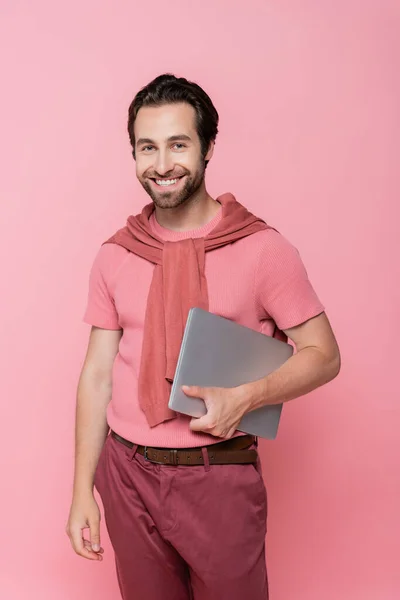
(167, 176)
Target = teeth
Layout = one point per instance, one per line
(166, 181)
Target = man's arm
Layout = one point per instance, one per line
(316, 362)
(93, 396)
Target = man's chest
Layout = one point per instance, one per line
(230, 274)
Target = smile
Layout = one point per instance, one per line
(167, 182)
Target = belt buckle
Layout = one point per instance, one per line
(173, 453)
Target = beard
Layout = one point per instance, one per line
(174, 198)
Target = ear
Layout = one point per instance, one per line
(210, 151)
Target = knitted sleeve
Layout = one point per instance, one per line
(283, 290)
(100, 307)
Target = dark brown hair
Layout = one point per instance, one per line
(168, 89)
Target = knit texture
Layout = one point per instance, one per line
(259, 281)
(178, 284)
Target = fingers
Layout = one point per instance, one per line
(193, 391)
(82, 546)
(200, 424)
(229, 434)
(95, 534)
(205, 424)
(92, 552)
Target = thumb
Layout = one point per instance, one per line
(199, 424)
(95, 535)
(193, 391)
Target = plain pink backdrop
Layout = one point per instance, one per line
(308, 93)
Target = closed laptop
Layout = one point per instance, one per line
(217, 352)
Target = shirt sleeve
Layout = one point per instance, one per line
(282, 288)
(100, 307)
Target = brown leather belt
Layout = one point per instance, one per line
(232, 451)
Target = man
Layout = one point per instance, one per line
(184, 499)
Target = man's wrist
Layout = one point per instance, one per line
(83, 486)
(254, 395)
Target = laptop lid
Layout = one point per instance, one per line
(217, 352)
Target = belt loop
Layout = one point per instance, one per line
(132, 451)
(206, 460)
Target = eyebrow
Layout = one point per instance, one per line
(173, 138)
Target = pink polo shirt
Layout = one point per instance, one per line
(257, 281)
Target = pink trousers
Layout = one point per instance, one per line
(184, 532)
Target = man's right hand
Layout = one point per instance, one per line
(85, 513)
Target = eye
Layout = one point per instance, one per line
(146, 148)
(179, 146)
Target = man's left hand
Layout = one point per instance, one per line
(225, 408)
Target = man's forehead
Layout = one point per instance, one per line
(165, 121)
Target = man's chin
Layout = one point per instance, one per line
(174, 197)
(164, 198)
(168, 200)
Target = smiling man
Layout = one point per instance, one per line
(184, 499)
(185, 179)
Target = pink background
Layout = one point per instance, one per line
(309, 95)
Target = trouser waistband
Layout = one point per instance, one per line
(233, 451)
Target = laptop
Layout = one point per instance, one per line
(217, 352)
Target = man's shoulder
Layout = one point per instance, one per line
(269, 251)
(108, 259)
(113, 250)
(267, 242)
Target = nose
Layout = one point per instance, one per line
(164, 162)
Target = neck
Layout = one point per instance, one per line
(197, 211)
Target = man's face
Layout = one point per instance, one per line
(169, 164)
